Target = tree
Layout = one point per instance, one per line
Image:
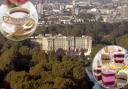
(123, 41)
(16, 79)
(77, 74)
(59, 54)
(21, 80)
(51, 56)
(62, 83)
(6, 60)
(24, 50)
(39, 56)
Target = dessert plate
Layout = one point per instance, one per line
(110, 67)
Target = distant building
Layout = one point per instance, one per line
(39, 7)
(50, 42)
(124, 12)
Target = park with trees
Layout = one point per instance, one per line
(23, 66)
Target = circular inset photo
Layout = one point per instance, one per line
(18, 19)
(110, 67)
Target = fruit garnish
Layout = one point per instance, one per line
(21, 1)
(15, 3)
(10, 1)
(119, 50)
(124, 67)
(12, 5)
(113, 67)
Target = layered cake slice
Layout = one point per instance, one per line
(121, 78)
(108, 77)
(97, 71)
(119, 57)
(105, 58)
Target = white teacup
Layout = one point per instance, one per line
(19, 13)
(17, 16)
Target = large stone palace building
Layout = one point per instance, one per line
(49, 42)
